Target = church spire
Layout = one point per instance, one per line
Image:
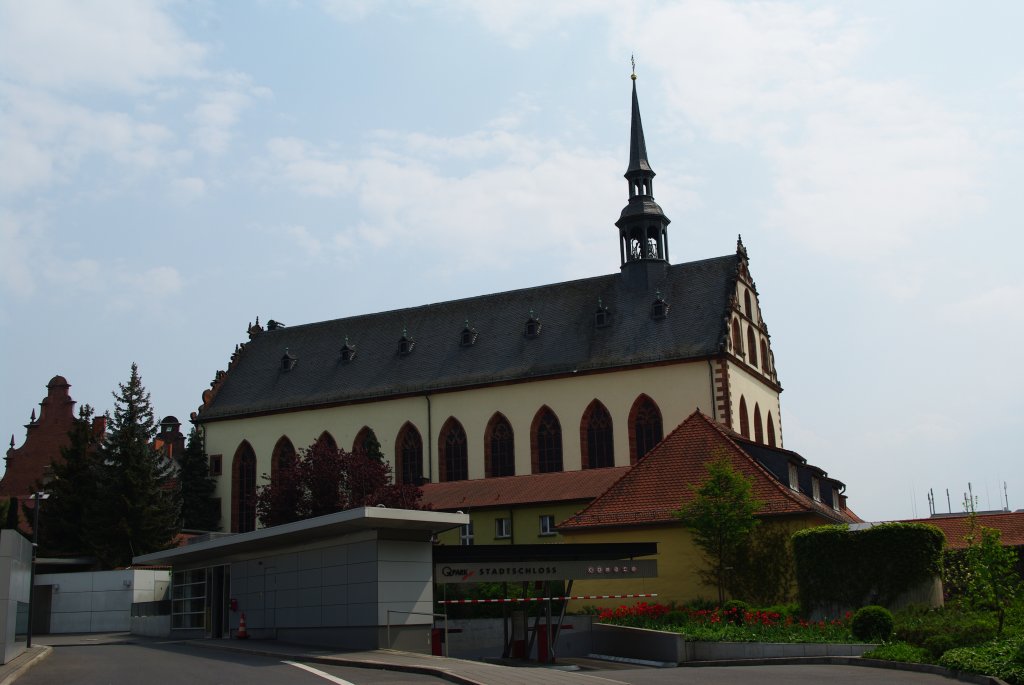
(643, 227)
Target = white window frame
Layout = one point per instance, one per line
(816, 488)
(547, 525)
(794, 477)
(502, 528)
(466, 534)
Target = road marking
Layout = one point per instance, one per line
(326, 676)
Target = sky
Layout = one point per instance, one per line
(169, 171)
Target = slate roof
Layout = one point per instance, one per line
(538, 488)
(663, 480)
(569, 341)
(1010, 524)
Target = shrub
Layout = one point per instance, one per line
(898, 651)
(735, 611)
(940, 627)
(1000, 658)
(872, 623)
(676, 618)
(937, 645)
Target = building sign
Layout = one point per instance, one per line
(544, 570)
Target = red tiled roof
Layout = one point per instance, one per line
(535, 488)
(1010, 524)
(663, 480)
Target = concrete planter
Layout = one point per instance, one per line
(672, 647)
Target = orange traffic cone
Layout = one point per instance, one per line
(242, 633)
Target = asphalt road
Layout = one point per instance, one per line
(155, 663)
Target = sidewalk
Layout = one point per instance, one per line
(453, 670)
(13, 669)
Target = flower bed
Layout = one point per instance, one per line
(732, 624)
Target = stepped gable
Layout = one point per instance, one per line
(303, 366)
(45, 436)
(538, 488)
(661, 482)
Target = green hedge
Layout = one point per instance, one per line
(835, 565)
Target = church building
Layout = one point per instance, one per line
(586, 374)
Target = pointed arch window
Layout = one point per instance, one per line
(282, 458)
(737, 338)
(744, 418)
(454, 451)
(546, 442)
(409, 456)
(366, 442)
(751, 346)
(746, 304)
(596, 437)
(243, 489)
(764, 356)
(327, 440)
(758, 429)
(645, 428)
(499, 448)
(771, 430)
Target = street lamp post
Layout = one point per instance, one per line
(38, 497)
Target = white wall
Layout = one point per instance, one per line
(100, 601)
(15, 586)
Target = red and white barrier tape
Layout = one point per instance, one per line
(517, 600)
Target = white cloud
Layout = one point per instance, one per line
(188, 189)
(996, 307)
(299, 164)
(861, 167)
(82, 45)
(19, 239)
(219, 111)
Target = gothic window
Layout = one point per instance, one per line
(758, 430)
(243, 489)
(645, 428)
(532, 329)
(659, 308)
(764, 356)
(468, 336)
(751, 346)
(771, 430)
(499, 448)
(327, 440)
(596, 437)
(746, 304)
(405, 344)
(283, 457)
(744, 419)
(454, 451)
(737, 340)
(409, 456)
(366, 442)
(546, 442)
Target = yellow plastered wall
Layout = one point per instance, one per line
(525, 524)
(678, 389)
(752, 388)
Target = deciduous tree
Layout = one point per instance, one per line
(324, 479)
(721, 517)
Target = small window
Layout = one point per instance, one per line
(602, 317)
(816, 489)
(288, 361)
(216, 464)
(348, 352)
(835, 499)
(547, 524)
(466, 534)
(794, 479)
(532, 326)
(659, 308)
(502, 528)
(405, 344)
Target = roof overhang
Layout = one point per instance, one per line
(311, 530)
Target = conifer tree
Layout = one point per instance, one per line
(73, 490)
(199, 509)
(140, 503)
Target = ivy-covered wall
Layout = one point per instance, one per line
(841, 567)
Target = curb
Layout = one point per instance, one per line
(932, 669)
(44, 651)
